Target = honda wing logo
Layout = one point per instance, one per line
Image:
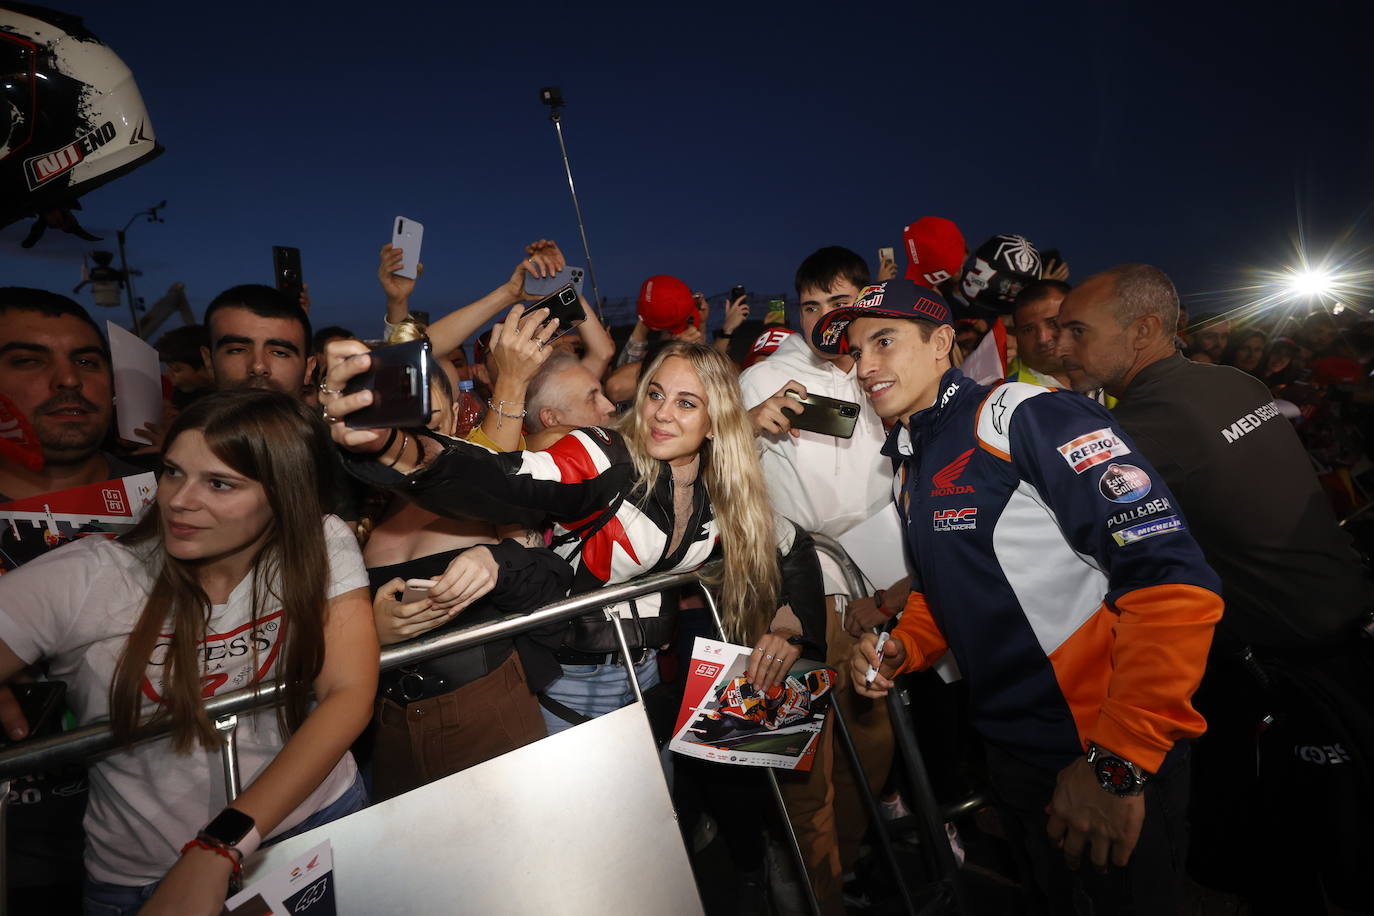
(944, 479)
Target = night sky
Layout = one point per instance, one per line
(723, 144)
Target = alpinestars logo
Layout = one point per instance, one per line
(944, 479)
(956, 519)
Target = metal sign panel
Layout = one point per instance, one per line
(579, 822)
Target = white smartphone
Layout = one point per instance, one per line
(545, 286)
(417, 590)
(887, 254)
(406, 234)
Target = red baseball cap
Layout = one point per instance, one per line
(935, 248)
(666, 304)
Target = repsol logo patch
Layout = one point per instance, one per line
(39, 170)
(1092, 449)
(1250, 422)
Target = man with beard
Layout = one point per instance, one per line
(259, 338)
(55, 370)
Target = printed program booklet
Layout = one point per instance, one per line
(33, 526)
(726, 719)
(303, 885)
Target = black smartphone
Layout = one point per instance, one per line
(1050, 256)
(41, 703)
(735, 293)
(399, 381)
(827, 416)
(563, 307)
(286, 267)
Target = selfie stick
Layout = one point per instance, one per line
(553, 97)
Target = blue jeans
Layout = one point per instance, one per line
(595, 690)
(101, 899)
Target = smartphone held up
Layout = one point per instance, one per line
(399, 381)
(286, 270)
(407, 235)
(827, 416)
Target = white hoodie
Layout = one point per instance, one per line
(824, 484)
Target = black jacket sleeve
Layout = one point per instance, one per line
(466, 481)
(804, 590)
(528, 577)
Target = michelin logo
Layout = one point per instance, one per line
(1167, 525)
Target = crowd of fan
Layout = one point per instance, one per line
(512, 512)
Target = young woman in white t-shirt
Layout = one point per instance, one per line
(234, 576)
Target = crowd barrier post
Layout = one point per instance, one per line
(798, 860)
(930, 818)
(228, 727)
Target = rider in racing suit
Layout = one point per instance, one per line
(1052, 564)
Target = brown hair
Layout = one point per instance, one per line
(279, 442)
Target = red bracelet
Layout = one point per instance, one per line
(881, 598)
(236, 876)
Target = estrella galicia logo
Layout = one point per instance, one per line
(955, 519)
(1124, 483)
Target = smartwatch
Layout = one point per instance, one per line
(228, 828)
(1116, 775)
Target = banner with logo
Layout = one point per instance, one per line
(726, 719)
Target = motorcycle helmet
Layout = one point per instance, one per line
(996, 273)
(71, 116)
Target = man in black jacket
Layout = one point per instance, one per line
(1296, 595)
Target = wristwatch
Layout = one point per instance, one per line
(1115, 774)
(722, 335)
(228, 828)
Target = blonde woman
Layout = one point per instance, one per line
(677, 479)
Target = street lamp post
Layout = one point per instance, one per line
(153, 217)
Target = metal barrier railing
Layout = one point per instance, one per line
(45, 753)
(39, 755)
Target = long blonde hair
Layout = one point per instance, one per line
(733, 477)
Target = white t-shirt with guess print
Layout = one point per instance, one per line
(76, 607)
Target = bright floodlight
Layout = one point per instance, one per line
(1312, 283)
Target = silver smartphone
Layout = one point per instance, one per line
(544, 286)
(407, 235)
